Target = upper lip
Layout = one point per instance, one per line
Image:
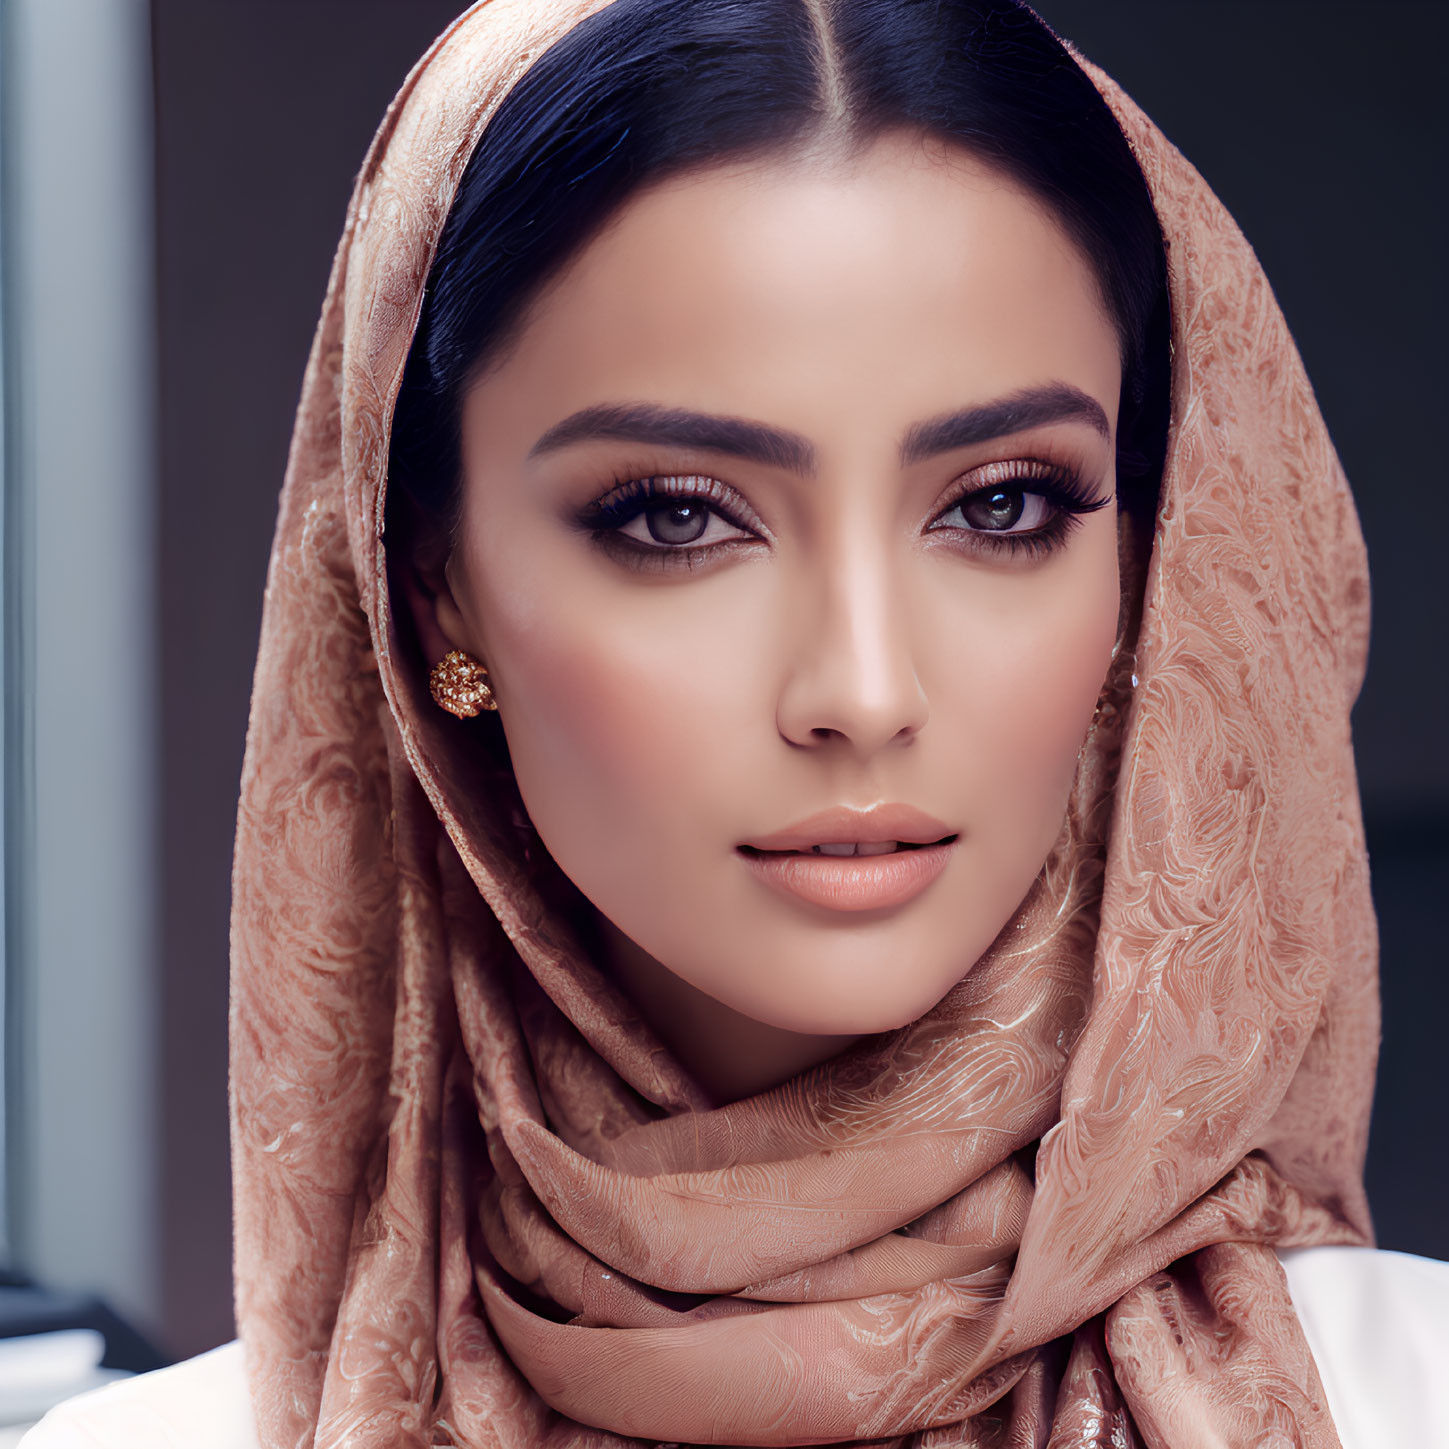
(841, 825)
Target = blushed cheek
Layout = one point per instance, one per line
(1039, 686)
(619, 739)
(1057, 709)
(576, 728)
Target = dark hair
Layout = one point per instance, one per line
(646, 89)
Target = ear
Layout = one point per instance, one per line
(421, 581)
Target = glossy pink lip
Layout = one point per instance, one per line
(853, 882)
(839, 825)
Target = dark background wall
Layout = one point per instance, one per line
(1321, 126)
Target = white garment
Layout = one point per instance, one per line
(1378, 1324)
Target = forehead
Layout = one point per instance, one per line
(909, 269)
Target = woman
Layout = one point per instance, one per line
(781, 896)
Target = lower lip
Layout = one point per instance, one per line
(852, 882)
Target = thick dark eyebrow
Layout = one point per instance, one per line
(759, 443)
(681, 427)
(1052, 402)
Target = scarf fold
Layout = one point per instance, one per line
(478, 1202)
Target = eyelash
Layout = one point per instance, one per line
(1062, 488)
(631, 496)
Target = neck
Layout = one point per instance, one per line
(730, 1055)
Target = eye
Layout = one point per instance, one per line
(1000, 510)
(678, 522)
(1018, 507)
(660, 521)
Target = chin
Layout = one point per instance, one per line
(824, 1005)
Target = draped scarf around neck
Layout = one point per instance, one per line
(479, 1203)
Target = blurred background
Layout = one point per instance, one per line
(173, 178)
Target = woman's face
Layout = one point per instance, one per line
(795, 495)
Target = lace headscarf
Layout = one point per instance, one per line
(479, 1203)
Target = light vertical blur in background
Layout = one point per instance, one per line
(80, 647)
(174, 182)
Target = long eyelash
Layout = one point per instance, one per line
(1039, 541)
(631, 495)
(1063, 487)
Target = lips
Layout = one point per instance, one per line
(887, 825)
(853, 860)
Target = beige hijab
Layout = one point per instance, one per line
(479, 1203)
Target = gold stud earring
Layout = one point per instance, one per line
(460, 685)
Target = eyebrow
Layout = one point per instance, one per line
(775, 447)
(1031, 407)
(681, 427)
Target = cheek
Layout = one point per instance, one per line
(1022, 695)
(1046, 689)
(626, 724)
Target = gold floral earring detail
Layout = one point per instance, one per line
(460, 685)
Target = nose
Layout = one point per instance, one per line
(852, 674)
